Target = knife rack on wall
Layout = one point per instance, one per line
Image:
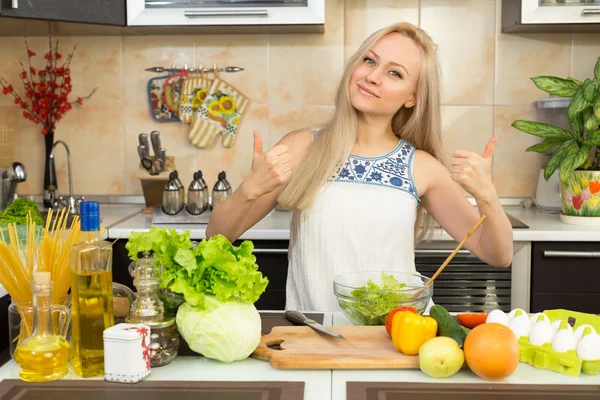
(153, 185)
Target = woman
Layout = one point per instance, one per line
(360, 187)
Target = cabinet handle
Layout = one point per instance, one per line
(227, 13)
(590, 11)
(575, 254)
(442, 253)
(270, 251)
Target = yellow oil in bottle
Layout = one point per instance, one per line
(43, 359)
(92, 290)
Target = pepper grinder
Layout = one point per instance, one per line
(197, 198)
(172, 195)
(221, 190)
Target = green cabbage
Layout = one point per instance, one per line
(223, 330)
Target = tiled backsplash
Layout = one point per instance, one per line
(291, 79)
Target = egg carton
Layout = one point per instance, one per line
(568, 363)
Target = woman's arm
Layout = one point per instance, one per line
(257, 194)
(446, 202)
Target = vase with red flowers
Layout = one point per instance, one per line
(46, 100)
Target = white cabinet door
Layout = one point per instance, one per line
(560, 12)
(141, 13)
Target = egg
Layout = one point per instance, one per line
(541, 332)
(588, 348)
(564, 340)
(556, 325)
(535, 317)
(498, 316)
(581, 330)
(515, 313)
(520, 325)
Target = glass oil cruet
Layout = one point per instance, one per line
(149, 309)
(44, 356)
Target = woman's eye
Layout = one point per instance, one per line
(369, 61)
(394, 73)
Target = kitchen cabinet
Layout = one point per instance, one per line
(4, 302)
(271, 257)
(565, 275)
(105, 12)
(550, 16)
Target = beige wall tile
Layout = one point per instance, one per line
(141, 52)
(515, 171)
(467, 128)
(306, 69)
(236, 160)
(464, 31)
(173, 137)
(363, 17)
(250, 52)
(586, 50)
(285, 119)
(521, 57)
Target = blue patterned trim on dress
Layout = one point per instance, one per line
(392, 170)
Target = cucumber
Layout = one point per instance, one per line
(448, 325)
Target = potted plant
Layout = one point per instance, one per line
(577, 151)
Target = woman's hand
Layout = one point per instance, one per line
(270, 170)
(474, 172)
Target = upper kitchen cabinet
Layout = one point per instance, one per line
(550, 16)
(104, 12)
(228, 16)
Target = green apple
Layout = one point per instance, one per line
(441, 357)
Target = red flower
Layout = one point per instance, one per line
(48, 56)
(577, 202)
(32, 70)
(31, 53)
(58, 56)
(23, 74)
(42, 73)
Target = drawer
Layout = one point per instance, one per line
(587, 303)
(271, 300)
(565, 267)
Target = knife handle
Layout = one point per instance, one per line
(155, 140)
(296, 316)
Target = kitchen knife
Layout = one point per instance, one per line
(143, 139)
(146, 161)
(163, 157)
(155, 139)
(298, 317)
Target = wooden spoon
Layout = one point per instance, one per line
(451, 256)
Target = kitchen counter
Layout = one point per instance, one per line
(275, 226)
(323, 384)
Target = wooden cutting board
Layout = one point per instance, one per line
(365, 347)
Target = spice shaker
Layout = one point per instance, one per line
(126, 353)
(172, 195)
(221, 190)
(197, 198)
(148, 309)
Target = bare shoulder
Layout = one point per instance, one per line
(297, 142)
(427, 170)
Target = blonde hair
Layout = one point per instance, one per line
(419, 125)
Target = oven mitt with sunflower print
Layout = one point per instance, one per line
(193, 94)
(221, 113)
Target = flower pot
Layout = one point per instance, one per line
(580, 197)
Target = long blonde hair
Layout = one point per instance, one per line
(419, 125)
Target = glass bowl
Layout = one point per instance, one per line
(367, 297)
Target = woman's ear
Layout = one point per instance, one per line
(410, 102)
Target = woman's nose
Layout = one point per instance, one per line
(373, 76)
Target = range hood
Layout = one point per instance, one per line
(225, 13)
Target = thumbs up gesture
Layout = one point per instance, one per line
(473, 171)
(270, 170)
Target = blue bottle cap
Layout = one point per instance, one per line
(89, 213)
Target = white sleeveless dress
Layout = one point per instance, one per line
(363, 220)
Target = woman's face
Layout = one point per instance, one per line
(387, 78)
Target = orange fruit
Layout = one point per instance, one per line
(492, 351)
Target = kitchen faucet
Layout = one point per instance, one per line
(71, 203)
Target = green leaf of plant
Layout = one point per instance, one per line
(590, 121)
(578, 105)
(596, 107)
(546, 145)
(556, 86)
(576, 124)
(593, 138)
(576, 157)
(542, 130)
(578, 82)
(597, 70)
(557, 158)
(590, 90)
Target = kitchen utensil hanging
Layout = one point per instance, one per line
(158, 109)
(221, 113)
(194, 92)
(172, 90)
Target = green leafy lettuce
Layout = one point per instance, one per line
(212, 267)
(375, 301)
(17, 211)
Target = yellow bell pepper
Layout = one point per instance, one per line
(410, 331)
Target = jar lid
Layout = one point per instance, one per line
(553, 102)
(126, 332)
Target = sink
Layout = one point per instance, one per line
(55, 215)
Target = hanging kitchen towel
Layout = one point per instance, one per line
(194, 92)
(221, 113)
(158, 109)
(172, 91)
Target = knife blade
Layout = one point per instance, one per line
(155, 139)
(298, 317)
